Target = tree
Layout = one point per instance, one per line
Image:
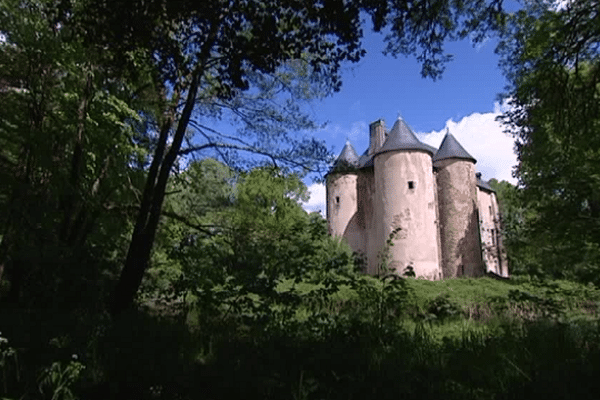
(190, 237)
(209, 49)
(206, 52)
(518, 240)
(550, 55)
(241, 243)
(65, 150)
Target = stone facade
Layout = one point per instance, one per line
(442, 218)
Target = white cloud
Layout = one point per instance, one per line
(484, 138)
(560, 5)
(503, 107)
(478, 44)
(333, 130)
(354, 132)
(317, 200)
(357, 130)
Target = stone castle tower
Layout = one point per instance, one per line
(445, 219)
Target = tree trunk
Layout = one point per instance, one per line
(16, 228)
(77, 162)
(142, 239)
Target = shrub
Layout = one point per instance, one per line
(443, 308)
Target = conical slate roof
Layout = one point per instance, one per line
(348, 159)
(450, 148)
(433, 149)
(365, 160)
(483, 184)
(401, 137)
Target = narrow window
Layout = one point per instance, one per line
(411, 184)
(337, 199)
(491, 214)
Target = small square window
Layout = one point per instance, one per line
(411, 184)
(337, 199)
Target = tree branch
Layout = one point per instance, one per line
(202, 228)
(234, 147)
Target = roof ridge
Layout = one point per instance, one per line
(401, 137)
(348, 158)
(451, 148)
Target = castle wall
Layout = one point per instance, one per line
(406, 200)
(458, 224)
(367, 214)
(342, 203)
(489, 225)
(437, 222)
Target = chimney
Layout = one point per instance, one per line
(376, 136)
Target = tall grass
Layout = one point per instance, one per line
(456, 339)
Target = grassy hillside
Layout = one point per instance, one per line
(486, 297)
(456, 339)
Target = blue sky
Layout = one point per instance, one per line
(464, 100)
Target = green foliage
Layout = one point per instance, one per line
(473, 302)
(518, 238)
(101, 98)
(381, 303)
(9, 365)
(420, 28)
(336, 353)
(385, 255)
(550, 56)
(245, 245)
(66, 147)
(443, 308)
(247, 295)
(56, 381)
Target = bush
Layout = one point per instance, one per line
(442, 308)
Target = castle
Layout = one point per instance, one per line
(442, 218)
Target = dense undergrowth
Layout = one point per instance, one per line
(454, 339)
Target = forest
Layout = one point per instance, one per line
(147, 252)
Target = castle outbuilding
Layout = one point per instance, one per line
(442, 218)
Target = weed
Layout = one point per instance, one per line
(56, 381)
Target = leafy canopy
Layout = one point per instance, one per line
(550, 54)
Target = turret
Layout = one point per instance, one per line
(457, 205)
(405, 203)
(376, 136)
(490, 227)
(342, 197)
(367, 212)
